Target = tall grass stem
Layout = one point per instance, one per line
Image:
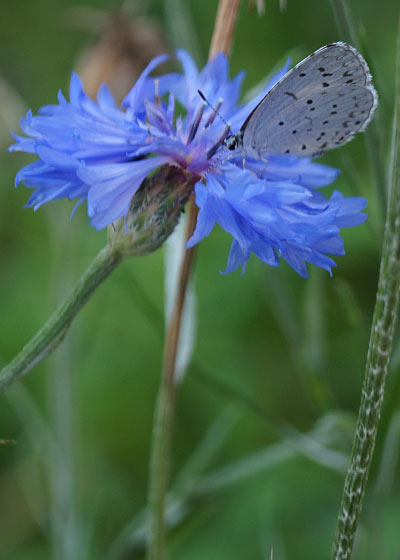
(379, 352)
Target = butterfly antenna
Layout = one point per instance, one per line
(226, 132)
(215, 111)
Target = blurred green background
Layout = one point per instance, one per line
(272, 349)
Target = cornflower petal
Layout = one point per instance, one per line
(141, 89)
(113, 186)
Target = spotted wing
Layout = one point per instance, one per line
(318, 105)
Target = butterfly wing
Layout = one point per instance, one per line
(318, 105)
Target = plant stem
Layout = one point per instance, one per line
(224, 27)
(164, 412)
(54, 330)
(379, 350)
(165, 405)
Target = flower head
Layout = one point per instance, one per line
(100, 153)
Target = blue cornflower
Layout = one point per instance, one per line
(100, 153)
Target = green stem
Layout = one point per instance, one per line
(54, 330)
(385, 314)
(159, 466)
(164, 411)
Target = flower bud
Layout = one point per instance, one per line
(154, 212)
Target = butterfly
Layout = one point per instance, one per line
(318, 105)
